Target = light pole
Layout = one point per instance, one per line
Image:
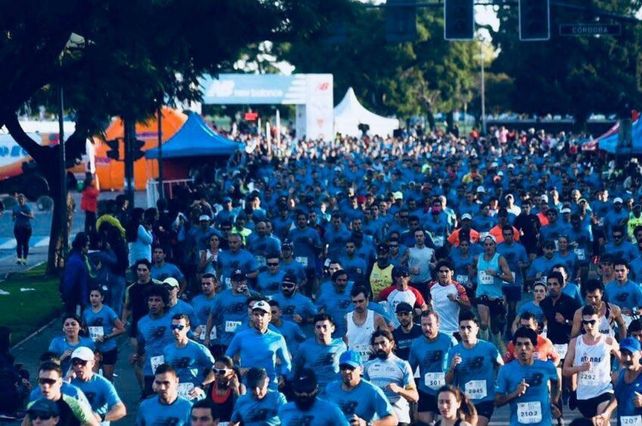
(483, 87)
(160, 153)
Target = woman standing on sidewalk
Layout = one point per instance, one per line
(89, 204)
(22, 216)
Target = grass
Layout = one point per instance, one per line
(26, 311)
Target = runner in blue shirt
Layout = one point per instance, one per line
(192, 361)
(623, 292)
(260, 405)
(294, 305)
(291, 331)
(228, 311)
(202, 304)
(321, 353)
(64, 345)
(524, 382)
(357, 398)
(628, 387)
(472, 366)
(234, 259)
(261, 244)
(166, 407)
(620, 247)
(306, 408)
(162, 269)
(268, 282)
(260, 347)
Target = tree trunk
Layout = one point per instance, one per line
(59, 234)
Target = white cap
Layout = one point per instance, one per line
(617, 200)
(83, 353)
(204, 217)
(466, 216)
(480, 188)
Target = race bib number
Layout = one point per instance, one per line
(96, 332)
(302, 260)
(485, 278)
(155, 361)
(529, 412)
(588, 378)
(580, 253)
(231, 326)
(475, 389)
(364, 351)
(631, 420)
(184, 389)
(462, 279)
(435, 380)
(201, 336)
(438, 241)
(561, 350)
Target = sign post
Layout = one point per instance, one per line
(590, 29)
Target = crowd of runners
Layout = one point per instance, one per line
(366, 281)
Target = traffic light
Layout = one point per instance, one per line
(534, 20)
(401, 21)
(137, 149)
(459, 19)
(113, 151)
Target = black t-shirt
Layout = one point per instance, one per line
(559, 333)
(404, 340)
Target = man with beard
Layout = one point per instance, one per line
(192, 361)
(406, 332)
(392, 375)
(202, 305)
(428, 353)
(100, 392)
(294, 305)
(260, 347)
(306, 408)
(381, 274)
(627, 398)
(203, 414)
(260, 405)
(609, 315)
(524, 383)
(321, 352)
(166, 408)
(153, 335)
(359, 400)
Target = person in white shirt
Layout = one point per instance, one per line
(447, 297)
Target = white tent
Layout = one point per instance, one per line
(350, 113)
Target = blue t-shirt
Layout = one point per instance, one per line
(624, 394)
(295, 304)
(627, 296)
(258, 412)
(292, 333)
(261, 350)
(534, 407)
(229, 262)
(152, 412)
(20, 220)
(202, 306)
(305, 242)
(533, 309)
(323, 359)
(229, 310)
(153, 335)
(182, 307)
(514, 253)
(101, 323)
(321, 413)
(476, 373)
(431, 357)
(100, 393)
(192, 362)
(165, 271)
(337, 305)
(365, 401)
(59, 345)
(268, 283)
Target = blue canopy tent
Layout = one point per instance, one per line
(195, 139)
(610, 141)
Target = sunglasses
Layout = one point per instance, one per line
(617, 236)
(403, 314)
(178, 327)
(49, 382)
(39, 415)
(78, 361)
(444, 271)
(288, 285)
(592, 322)
(273, 264)
(219, 371)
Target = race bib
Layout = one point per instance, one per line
(435, 380)
(155, 361)
(588, 378)
(485, 278)
(529, 412)
(184, 389)
(462, 279)
(561, 350)
(580, 253)
(438, 241)
(95, 332)
(201, 336)
(631, 420)
(364, 351)
(302, 260)
(260, 260)
(231, 326)
(475, 389)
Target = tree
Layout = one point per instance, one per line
(134, 55)
(577, 75)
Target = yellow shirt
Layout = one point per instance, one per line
(380, 279)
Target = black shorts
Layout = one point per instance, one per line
(485, 409)
(110, 357)
(497, 309)
(512, 292)
(427, 403)
(588, 407)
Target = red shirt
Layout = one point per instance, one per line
(419, 299)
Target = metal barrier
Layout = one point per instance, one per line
(168, 189)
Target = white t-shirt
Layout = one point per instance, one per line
(447, 310)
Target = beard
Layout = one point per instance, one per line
(382, 354)
(304, 403)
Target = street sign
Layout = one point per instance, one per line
(593, 28)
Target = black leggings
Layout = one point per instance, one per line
(22, 234)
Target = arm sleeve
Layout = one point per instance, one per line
(144, 235)
(502, 383)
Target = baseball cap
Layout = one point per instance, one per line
(204, 217)
(631, 344)
(382, 248)
(286, 244)
(397, 195)
(262, 305)
(403, 307)
(43, 408)
(565, 210)
(400, 271)
(238, 275)
(480, 188)
(466, 216)
(227, 199)
(351, 358)
(171, 282)
(617, 200)
(289, 278)
(305, 381)
(83, 353)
